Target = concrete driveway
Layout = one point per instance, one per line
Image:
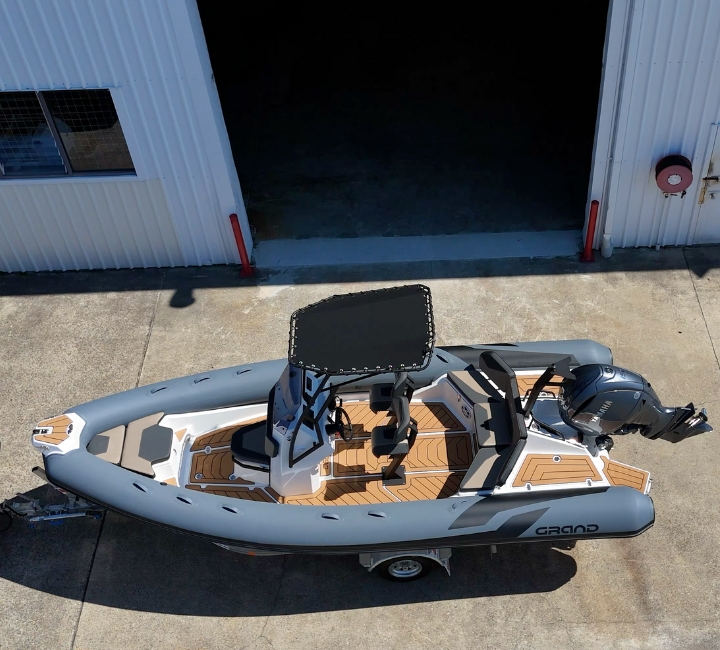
(116, 583)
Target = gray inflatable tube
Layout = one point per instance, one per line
(467, 521)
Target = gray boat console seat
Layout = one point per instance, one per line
(381, 397)
(500, 428)
(394, 440)
(251, 446)
(146, 442)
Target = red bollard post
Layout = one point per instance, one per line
(587, 254)
(247, 270)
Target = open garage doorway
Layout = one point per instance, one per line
(354, 122)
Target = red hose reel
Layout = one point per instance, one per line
(673, 174)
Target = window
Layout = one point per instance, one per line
(59, 133)
(27, 147)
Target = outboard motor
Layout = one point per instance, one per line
(603, 401)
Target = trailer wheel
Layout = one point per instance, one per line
(5, 521)
(405, 569)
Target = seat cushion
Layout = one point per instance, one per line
(469, 387)
(383, 442)
(131, 458)
(108, 445)
(156, 444)
(486, 468)
(491, 416)
(495, 431)
(248, 443)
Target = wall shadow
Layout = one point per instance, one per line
(141, 567)
(183, 281)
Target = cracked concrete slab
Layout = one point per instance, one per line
(153, 588)
(703, 264)
(66, 338)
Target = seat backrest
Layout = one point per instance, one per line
(401, 395)
(504, 378)
(401, 409)
(271, 445)
(495, 460)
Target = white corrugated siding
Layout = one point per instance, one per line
(92, 225)
(669, 99)
(153, 57)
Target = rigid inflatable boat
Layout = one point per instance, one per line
(368, 439)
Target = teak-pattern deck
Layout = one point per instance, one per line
(431, 418)
(441, 453)
(542, 469)
(621, 474)
(249, 494)
(450, 451)
(213, 468)
(526, 382)
(59, 432)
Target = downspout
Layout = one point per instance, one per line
(617, 146)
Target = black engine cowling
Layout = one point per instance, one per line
(607, 400)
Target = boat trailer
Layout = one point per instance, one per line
(33, 512)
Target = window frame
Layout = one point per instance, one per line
(69, 172)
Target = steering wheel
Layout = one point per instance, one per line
(342, 424)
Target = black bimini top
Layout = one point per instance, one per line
(386, 330)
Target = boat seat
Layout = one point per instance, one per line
(502, 434)
(490, 419)
(396, 440)
(469, 386)
(381, 397)
(252, 447)
(146, 442)
(108, 445)
(486, 468)
(384, 441)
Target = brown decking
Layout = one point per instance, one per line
(213, 468)
(420, 487)
(431, 418)
(220, 437)
(257, 494)
(526, 382)
(352, 492)
(59, 432)
(430, 452)
(343, 493)
(441, 453)
(620, 474)
(541, 469)
(440, 461)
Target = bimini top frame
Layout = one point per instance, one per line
(386, 330)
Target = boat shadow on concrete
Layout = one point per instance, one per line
(141, 567)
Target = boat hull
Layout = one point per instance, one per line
(539, 515)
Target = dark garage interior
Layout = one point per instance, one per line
(356, 122)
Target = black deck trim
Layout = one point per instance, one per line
(478, 514)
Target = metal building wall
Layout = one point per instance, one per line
(666, 100)
(153, 57)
